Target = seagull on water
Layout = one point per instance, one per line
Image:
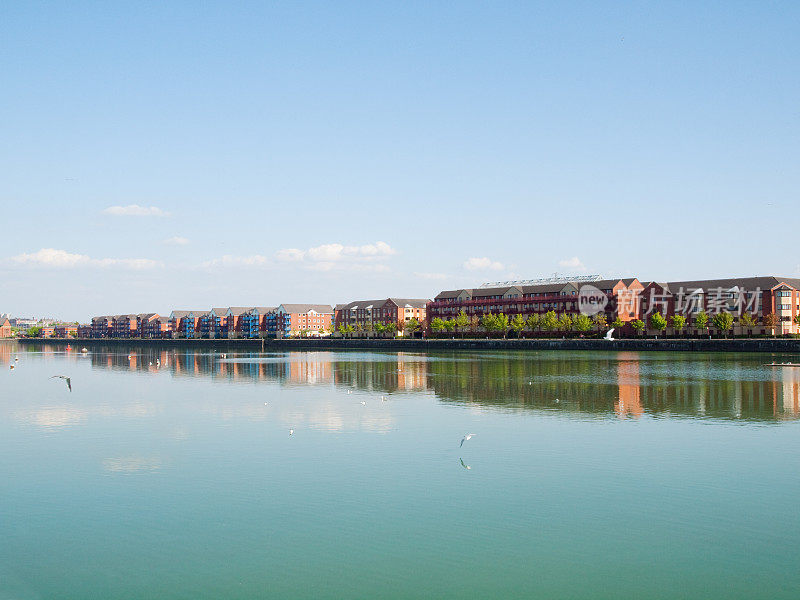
(363, 403)
(383, 398)
(466, 438)
(609, 335)
(65, 378)
(291, 432)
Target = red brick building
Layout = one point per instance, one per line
(5, 328)
(63, 330)
(364, 315)
(292, 319)
(524, 298)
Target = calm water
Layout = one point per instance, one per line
(591, 475)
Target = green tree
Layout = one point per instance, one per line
(701, 320)
(678, 322)
(412, 326)
(502, 324)
(549, 321)
(532, 322)
(582, 323)
(796, 319)
(517, 324)
(658, 322)
(723, 321)
(565, 322)
(489, 322)
(437, 325)
(617, 323)
(369, 328)
(391, 329)
(474, 323)
(747, 320)
(461, 322)
(34, 331)
(638, 326)
(600, 321)
(450, 325)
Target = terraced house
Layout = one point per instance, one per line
(772, 301)
(212, 324)
(364, 315)
(154, 326)
(254, 323)
(292, 319)
(526, 298)
(183, 323)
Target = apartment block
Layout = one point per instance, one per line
(364, 315)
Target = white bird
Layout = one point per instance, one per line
(556, 400)
(16, 359)
(609, 334)
(291, 432)
(65, 378)
(383, 398)
(129, 356)
(84, 350)
(349, 391)
(150, 364)
(363, 403)
(466, 438)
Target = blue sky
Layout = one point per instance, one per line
(325, 152)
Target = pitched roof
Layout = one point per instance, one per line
(179, 314)
(304, 308)
(238, 310)
(262, 310)
(747, 283)
(411, 302)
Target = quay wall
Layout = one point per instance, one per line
(423, 345)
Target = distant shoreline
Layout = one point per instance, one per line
(420, 345)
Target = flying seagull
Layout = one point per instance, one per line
(467, 467)
(65, 378)
(466, 438)
(291, 432)
(608, 335)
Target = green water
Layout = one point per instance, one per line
(591, 475)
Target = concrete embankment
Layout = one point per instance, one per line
(271, 345)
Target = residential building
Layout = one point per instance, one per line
(235, 318)
(84, 330)
(364, 315)
(5, 328)
(212, 324)
(64, 330)
(183, 323)
(150, 325)
(524, 298)
(255, 321)
(47, 331)
(102, 326)
(124, 326)
(291, 320)
(769, 297)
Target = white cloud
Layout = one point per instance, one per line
(483, 264)
(176, 240)
(61, 259)
(290, 255)
(254, 260)
(134, 210)
(329, 257)
(572, 263)
(435, 276)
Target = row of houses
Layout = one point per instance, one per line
(285, 320)
(772, 303)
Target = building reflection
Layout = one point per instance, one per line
(621, 385)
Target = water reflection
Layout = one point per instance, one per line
(620, 385)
